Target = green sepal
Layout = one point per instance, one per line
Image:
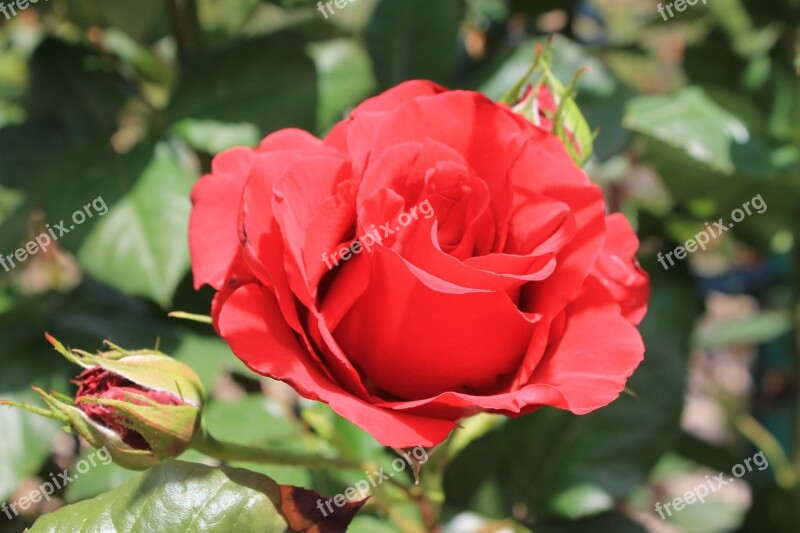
(167, 429)
(99, 436)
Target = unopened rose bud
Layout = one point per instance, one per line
(538, 105)
(143, 406)
(551, 106)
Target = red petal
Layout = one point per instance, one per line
(253, 326)
(213, 232)
(415, 335)
(618, 269)
(584, 369)
(398, 95)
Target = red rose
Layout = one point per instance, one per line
(516, 292)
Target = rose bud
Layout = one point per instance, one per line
(538, 105)
(143, 406)
(550, 105)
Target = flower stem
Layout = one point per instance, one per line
(767, 443)
(428, 494)
(203, 319)
(431, 497)
(204, 443)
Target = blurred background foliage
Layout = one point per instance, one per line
(130, 100)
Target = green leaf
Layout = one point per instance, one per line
(709, 517)
(208, 356)
(370, 524)
(140, 246)
(272, 429)
(257, 421)
(582, 500)
(97, 480)
(13, 75)
(747, 41)
(693, 182)
(268, 81)
(23, 347)
(73, 102)
(605, 118)
(413, 39)
(136, 60)
(345, 78)
(690, 121)
(177, 497)
(764, 327)
(213, 137)
(75, 88)
(92, 170)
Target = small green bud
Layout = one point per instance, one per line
(143, 406)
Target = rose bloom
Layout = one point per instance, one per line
(517, 292)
